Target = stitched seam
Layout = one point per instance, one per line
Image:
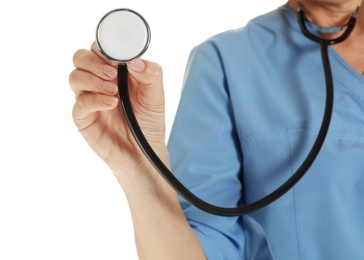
(299, 249)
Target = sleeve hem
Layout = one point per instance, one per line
(216, 245)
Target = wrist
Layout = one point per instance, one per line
(144, 178)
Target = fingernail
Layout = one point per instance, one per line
(110, 87)
(136, 65)
(111, 101)
(109, 71)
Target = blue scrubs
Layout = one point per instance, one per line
(252, 104)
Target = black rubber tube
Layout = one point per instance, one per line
(188, 195)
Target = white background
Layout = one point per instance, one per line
(57, 199)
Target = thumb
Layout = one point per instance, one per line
(136, 65)
(148, 76)
(146, 72)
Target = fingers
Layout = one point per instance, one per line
(93, 73)
(94, 84)
(96, 50)
(150, 84)
(87, 105)
(146, 72)
(81, 81)
(94, 63)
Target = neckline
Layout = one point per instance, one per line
(292, 15)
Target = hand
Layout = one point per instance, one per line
(98, 115)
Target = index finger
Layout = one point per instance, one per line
(92, 61)
(96, 50)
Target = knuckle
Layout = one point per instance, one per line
(80, 104)
(93, 81)
(73, 76)
(75, 111)
(157, 71)
(93, 59)
(78, 56)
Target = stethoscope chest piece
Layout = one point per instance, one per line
(122, 35)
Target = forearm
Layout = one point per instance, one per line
(161, 229)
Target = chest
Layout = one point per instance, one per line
(352, 51)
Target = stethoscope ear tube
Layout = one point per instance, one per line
(313, 37)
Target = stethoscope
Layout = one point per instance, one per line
(123, 35)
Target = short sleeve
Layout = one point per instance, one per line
(205, 153)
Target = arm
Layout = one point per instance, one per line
(161, 229)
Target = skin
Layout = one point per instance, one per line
(331, 13)
(161, 229)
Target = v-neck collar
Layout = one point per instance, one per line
(343, 73)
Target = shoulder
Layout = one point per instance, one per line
(263, 40)
(261, 28)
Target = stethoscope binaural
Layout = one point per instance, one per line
(123, 35)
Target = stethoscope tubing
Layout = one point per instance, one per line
(285, 187)
(187, 194)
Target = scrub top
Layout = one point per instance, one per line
(251, 107)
